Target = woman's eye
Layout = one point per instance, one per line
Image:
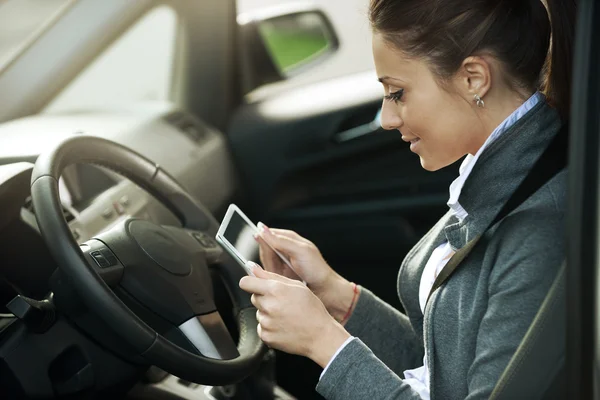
(395, 96)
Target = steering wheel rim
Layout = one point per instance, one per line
(96, 293)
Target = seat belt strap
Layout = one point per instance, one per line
(550, 163)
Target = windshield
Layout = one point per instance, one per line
(21, 20)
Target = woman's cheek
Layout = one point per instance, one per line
(417, 122)
(432, 153)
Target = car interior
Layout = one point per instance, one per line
(111, 281)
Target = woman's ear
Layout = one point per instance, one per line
(475, 77)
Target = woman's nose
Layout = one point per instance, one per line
(390, 119)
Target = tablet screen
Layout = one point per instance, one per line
(240, 235)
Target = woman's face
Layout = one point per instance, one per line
(441, 125)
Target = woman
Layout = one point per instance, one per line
(461, 77)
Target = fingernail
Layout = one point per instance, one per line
(263, 228)
(255, 267)
(249, 268)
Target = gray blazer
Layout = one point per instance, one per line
(475, 321)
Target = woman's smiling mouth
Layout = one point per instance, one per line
(413, 142)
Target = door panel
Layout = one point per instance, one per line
(363, 201)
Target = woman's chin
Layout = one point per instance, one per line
(431, 165)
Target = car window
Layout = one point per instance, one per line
(350, 21)
(22, 20)
(136, 68)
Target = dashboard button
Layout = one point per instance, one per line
(124, 201)
(100, 259)
(204, 240)
(107, 214)
(109, 257)
(119, 208)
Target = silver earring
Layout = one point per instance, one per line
(479, 101)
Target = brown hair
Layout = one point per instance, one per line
(516, 32)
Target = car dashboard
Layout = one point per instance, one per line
(94, 198)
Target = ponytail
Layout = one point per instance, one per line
(557, 74)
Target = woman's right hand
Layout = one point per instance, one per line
(308, 264)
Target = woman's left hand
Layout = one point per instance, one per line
(291, 318)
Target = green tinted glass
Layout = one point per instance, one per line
(294, 40)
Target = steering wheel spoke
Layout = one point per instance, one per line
(103, 261)
(209, 335)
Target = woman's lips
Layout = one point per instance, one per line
(414, 144)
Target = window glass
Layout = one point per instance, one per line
(294, 40)
(136, 68)
(20, 20)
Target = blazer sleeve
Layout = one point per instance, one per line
(386, 331)
(356, 373)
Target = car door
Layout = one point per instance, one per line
(313, 158)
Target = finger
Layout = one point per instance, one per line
(255, 300)
(259, 331)
(284, 244)
(268, 257)
(289, 234)
(262, 274)
(276, 257)
(284, 232)
(255, 285)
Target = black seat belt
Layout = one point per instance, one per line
(550, 163)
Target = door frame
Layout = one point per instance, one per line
(582, 214)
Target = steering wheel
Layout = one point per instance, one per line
(165, 269)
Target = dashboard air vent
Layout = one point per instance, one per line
(66, 213)
(187, 124)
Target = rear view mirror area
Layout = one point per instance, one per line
(282, 43)
(297, 40)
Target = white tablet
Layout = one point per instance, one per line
(236, 236)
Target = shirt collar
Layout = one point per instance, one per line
(469, 162)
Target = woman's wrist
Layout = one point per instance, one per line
(328, 344)
(339, 297)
